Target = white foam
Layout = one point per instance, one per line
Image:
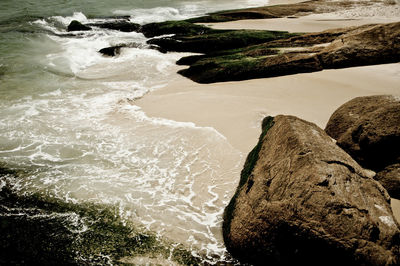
(157, 14)
(79, 16)
(90, 142)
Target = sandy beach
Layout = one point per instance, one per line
(235, 109)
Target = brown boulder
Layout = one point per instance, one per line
(302, 199)
(368, 128)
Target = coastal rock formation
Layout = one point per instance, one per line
(77, 26)
(339, 48)
(303, 200)
(368, 128)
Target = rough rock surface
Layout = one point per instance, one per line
(77, 26)
(302, 199)
(368, 128)
(364, 46)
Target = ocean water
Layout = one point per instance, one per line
(70, 128)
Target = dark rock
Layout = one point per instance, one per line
(204, 71)
(390, 179)
(111, 51)
(158, 48)
(77, 26)
(174, 27)
(189, 60)
(303, 200)
(124, 26)
(216, 41)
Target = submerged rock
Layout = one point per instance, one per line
(303, 200)
(77, 26)
(368, 128)
(111, 51)
(124, 26)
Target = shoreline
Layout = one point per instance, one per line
(235, 109)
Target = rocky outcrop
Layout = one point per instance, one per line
(368, 128)
(303, 200)
(339, 48)
(77, 26)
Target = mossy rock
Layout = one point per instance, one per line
(248, 167)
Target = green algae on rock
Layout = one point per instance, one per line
(355, 46)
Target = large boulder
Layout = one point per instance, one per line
(303, 200)
(368, 128)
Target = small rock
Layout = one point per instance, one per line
(111, 51)
(77, 26)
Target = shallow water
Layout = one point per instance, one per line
(68, 118)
